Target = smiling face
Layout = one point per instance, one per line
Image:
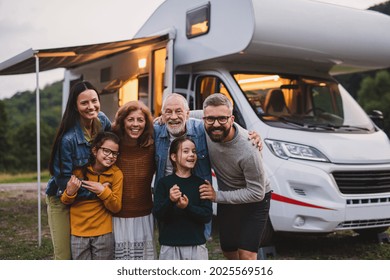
(185, 158)
(88, 105)
(134, 124)
(105, 155)
(175, 115)
(219, 132)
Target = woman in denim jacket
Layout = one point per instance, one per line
(81, 121)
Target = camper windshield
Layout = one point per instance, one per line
(303, 103)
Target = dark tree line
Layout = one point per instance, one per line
(383, 8)
(18, 136)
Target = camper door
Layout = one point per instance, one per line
(152, 80)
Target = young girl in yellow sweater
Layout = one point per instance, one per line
(94, 192)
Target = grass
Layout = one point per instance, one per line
(343, 245)
(19, 231)
(19, 237)
(23, 177)
(19, 227)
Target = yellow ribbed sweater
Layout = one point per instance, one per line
(94, 217)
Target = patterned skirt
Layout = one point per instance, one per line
(134, 238)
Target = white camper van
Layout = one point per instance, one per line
(328, 163)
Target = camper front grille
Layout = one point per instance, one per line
(362, 182)
(364, 223)
(368, 201)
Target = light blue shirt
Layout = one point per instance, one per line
(195, 130)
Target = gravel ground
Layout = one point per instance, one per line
(26, 190)
(22, 186)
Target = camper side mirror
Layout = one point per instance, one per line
(377, 117)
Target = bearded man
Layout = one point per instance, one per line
(244, 192)
(175, 122)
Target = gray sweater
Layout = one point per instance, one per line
(239, 169)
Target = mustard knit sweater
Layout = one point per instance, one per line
(94, 217)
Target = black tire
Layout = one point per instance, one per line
(268, 235)
(371, 232)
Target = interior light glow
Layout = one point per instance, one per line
(260, 79)
(142, 63)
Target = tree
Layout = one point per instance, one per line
(24, 146)
(3, 136)
(374, 94)
(383, 8)
(20, 129)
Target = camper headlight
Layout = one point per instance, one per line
(286, 150)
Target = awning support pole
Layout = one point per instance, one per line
(38, 149)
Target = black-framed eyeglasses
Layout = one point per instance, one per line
(221, 119)
(108, 152)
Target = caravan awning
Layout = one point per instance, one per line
(69, 57)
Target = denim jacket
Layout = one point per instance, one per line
(195, 130)
(75, 152)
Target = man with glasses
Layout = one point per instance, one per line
(244, 192)
(176, 123)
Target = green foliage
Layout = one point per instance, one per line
(374, 94)
(351, 82)
(383, 8)
(3, 136)
(22, 177)
(19, 122)
(24, 141)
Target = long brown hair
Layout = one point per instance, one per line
(118, 126)
(69, 119)
(98, 141)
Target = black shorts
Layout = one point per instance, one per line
(241, 226)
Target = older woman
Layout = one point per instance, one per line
(133, 225)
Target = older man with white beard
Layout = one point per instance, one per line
(175, 116)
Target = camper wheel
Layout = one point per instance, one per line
(268, 234)
(370, 232)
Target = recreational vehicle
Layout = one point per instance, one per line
(328, 163)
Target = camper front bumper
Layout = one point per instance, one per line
(308, 199)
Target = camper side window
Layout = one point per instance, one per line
(207, 85)
(198, 21)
